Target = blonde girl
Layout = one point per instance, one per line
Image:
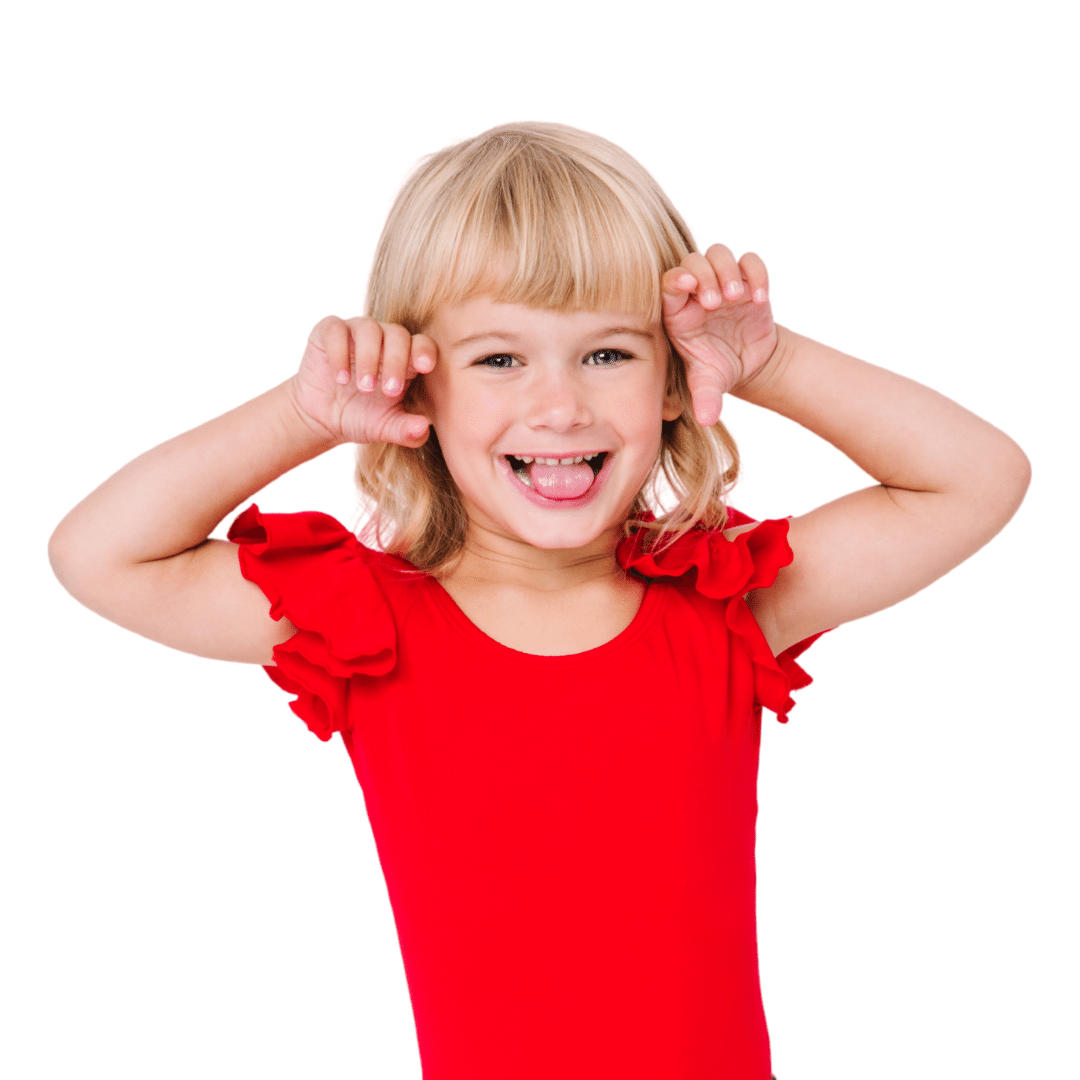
(549, 658)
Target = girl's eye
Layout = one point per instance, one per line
(606, 357)
(498, 361)
(599, 358)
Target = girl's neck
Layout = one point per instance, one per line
(556, 602)
(491, 558)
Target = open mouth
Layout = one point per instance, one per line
(567, 482)
(558, 478)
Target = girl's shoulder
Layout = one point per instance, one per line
(311, 556)
(344, 599)
(315, 571)
(310, 537)
(722, 566)
(720, 563)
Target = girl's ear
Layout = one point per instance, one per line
(672, 408)
(675, 377)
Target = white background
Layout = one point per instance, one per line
(190, 887)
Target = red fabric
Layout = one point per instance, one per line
(567, 841)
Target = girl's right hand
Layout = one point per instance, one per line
(353, 376)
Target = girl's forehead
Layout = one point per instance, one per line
(482, 315)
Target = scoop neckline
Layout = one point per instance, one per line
(650, 605)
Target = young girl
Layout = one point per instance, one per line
(549, 663)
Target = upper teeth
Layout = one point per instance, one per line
(556, 460)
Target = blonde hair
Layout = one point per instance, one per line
(572, 223)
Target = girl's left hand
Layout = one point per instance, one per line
(717, 315)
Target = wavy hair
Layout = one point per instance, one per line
(554, 209)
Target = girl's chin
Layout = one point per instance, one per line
(597, 533)
(564, 540)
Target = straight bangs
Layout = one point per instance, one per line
(550, 217)
(519, 215)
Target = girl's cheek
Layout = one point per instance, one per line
(469, 419)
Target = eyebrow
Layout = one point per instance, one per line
(509, 335)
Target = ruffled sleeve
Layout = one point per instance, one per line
(318, 575)
(727, 570)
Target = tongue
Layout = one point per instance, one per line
(561, 481)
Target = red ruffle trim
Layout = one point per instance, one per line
(316, 573)
(726, 570)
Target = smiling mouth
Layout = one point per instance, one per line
(521, 468)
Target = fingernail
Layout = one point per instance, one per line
(686, 282)
(342, 377)
(760, 296)
(734, 288)
(391, 387)
(367, 383)
(424, 363)
(710, 298)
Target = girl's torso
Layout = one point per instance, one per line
(567, 840)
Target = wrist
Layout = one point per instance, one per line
(762, 386)
(301, 427)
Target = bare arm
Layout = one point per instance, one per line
(136, 550)
(948, 481)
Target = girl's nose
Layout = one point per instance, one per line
(557, 401)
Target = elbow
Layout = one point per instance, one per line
(1016, 477)
(1007, 481)
(73, 561)
(63, 552)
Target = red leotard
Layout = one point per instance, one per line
(567, 841)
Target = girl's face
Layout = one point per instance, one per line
(549, 421)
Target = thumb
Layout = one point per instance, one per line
(406, 429)
(706, 392)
